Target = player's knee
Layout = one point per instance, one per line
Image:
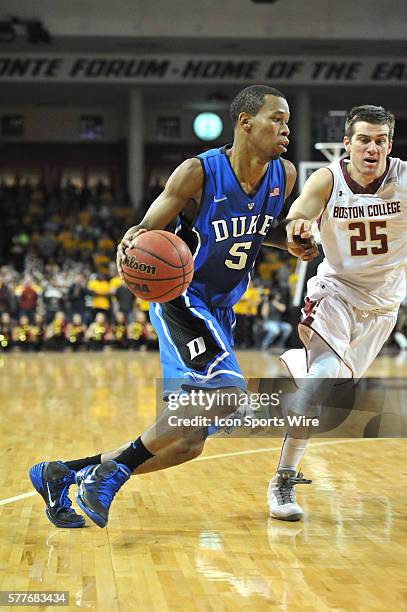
(188, 449)
(195, 450)
(327, 364)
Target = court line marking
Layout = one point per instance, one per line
(9, 500)
(278, 448)
(253, 451)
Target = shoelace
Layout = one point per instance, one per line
(285, 491)
(64, 503)
(109, 487)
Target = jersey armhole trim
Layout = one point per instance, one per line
(198, 210)
(319, 218)
(285, 183)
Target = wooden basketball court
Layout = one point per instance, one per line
(195, 537)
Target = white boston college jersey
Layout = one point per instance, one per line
(364, 238)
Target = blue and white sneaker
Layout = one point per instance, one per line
(97, 487)
(52, 481)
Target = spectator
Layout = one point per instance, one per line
(273, 311)
(98, 332)
(118, 335)
(21, 334)
(37, 332)
(6, 332)
(99, 288)
(125, 302)
(28, 294)
(6, 297)
(47, 247)
(77, 295)
(75, 333)
(142, 305)
(53, 298)
(105, 242)
(115, 280)
(55, 337)
(18, 250)
(246, 311)
(141, 333)
(135, 331)
(150, 336)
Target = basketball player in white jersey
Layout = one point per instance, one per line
(352, 303)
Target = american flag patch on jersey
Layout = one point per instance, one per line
(275, 192)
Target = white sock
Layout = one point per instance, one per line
(291, 452)
(324, 365)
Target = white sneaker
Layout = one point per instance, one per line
(281, 496)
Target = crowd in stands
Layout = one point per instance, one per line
(74, 335)
(56, 308)
(64, 226)
(59, 287)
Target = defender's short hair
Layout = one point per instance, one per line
(371, 114)
(251, 99)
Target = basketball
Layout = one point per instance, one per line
(159, 267)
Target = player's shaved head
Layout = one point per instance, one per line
(251, 99)
(370, 114)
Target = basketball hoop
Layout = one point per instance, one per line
(331, 150)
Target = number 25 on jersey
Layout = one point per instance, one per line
(366, 233)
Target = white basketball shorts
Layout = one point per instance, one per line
(354, 335)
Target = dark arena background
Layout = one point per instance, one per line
(99, 102)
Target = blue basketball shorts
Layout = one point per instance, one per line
(196, 347)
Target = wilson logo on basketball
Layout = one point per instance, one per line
(132, 263)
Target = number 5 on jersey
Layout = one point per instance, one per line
(238, 250)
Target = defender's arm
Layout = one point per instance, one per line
(309, 204)
(294, 232)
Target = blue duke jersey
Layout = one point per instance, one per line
(226, 235)
(195, 331)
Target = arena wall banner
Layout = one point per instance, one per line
(80, 68)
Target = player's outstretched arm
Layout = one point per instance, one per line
(184, 184)
(296, 228)
(277, 235)
(314, 196)
(306, 208)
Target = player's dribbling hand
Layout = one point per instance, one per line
(125, 243)
(300, 241)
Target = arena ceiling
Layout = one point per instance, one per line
(192, 27)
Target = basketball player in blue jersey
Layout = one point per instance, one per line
(226, 201)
